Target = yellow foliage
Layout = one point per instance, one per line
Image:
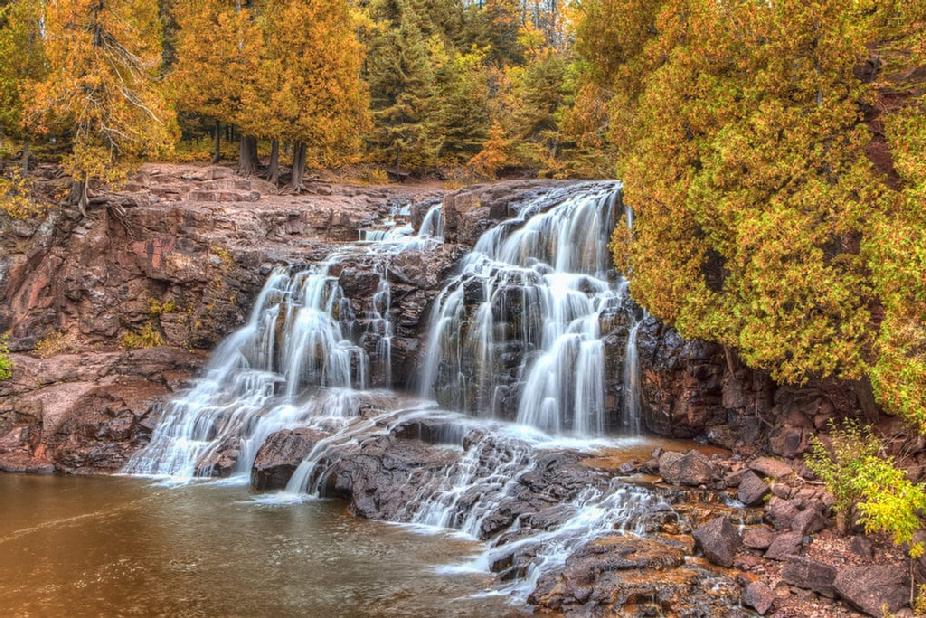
(146, 337)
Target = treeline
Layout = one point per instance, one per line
(775, 156)
(414, 85)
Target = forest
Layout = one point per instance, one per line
(772, 154)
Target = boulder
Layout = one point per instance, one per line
(808, 521)
(810, 574)
(692, 468)
(781, 513)
(280, 455)
(872, 588)
(759, 597)
(758, 537)
(751, 489)
(785, 545)
(719, 541)
(770, 467)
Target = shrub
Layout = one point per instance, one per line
(51, 344)
(6, 363)
(867, 482)
(15, 197)
(147, 337)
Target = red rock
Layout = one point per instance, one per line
(719, 541)
(758, 596)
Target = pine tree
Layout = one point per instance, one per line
(104, 58)
(399, 72)
(218, 48)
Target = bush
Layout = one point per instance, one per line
(868, 483)
(147, 337)
(16, 199)
(6, 364)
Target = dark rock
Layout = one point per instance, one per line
(785, 545)
(781, 513)
(808, 521)
(280, 455)
(810, 574)
(719, 541)
(752, 489)
(862, 547)
(758, 596)
(692, 468)
(772, 468)
(873, 588)
(758, 537)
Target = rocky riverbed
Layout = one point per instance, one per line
(110, 316)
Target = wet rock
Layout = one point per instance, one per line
(758, 596)
(758, 537)
(719, 541)
(692, 468)
(752, 489)
(810, 574)
(280, 455)
(872, 588)
(785, 545)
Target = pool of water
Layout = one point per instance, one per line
(90, 546)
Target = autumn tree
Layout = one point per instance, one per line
(103, 59)
(217, 49)
(22, 65)
(313, 95)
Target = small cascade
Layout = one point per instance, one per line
(519, 328)
(432, 226)
(631, 417)
(292, 360)
(380, 324)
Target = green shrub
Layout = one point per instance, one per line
(868, 483)
(147, 337)
(6, 363)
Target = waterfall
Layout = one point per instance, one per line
(433, 223)
(631, 418)
(292, 360)
(519, 328)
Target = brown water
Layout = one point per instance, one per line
(90, 546)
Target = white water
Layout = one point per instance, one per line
(516, 335)
(522, 321)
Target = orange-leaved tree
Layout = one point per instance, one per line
(104, 59)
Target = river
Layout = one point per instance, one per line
(90, 546)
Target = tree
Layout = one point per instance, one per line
(494, 153)
(313, 96)
(399, 73)
(22, 65)
(103, 83)
(218, 50)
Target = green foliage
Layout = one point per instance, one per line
(146, 337)
(766, 220)
(865, 481)
(6, 363)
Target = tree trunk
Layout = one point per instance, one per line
(273, 171)
(217, 153)
(78, 196)
(298, 166)
(866, 400)
(25, 159)
(247, 155)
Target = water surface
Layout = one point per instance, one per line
(89, 546)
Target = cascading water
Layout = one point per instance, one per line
(519, 328)
(518, 335)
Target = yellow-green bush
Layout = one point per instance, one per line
(867, 483)
(6, 363)
(146, 337)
